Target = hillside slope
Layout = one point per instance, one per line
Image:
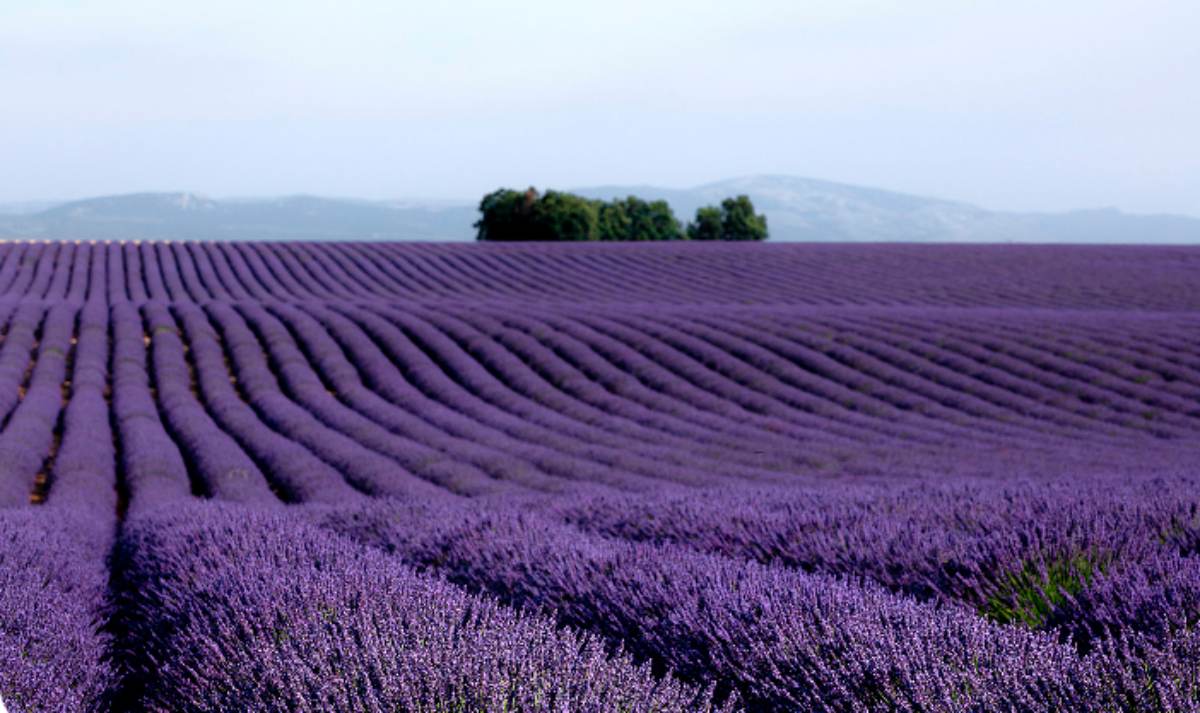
(798, 209)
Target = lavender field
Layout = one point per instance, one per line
(670, 477)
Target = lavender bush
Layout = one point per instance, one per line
(234, 609)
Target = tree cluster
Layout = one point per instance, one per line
(510, 216)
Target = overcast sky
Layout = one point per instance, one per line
(1008, 104)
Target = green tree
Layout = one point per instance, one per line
(734, 220)
(707, 225)
(740, 222)
(632, 218)
(506, 215)
(615, 223)
(653, 221)
(565, 217)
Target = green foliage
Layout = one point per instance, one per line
(1030, 595)
(707, 225)
(508, 215)
(734, 220)
(563, 216)
(632, 218)
(740, 222)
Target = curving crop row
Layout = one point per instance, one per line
(260, 612)
(781, 639)
(292, 469)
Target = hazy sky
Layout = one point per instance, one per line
(1008, 104)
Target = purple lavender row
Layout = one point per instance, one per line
(1157, 598)
(10, 259)
(17, 354)
(196, 256)
(929, 404)
(84, 474)
(674, 379)
(408, 276)
(847, 276)
(255, 611)
(904, 395)
(1002, 359)
(305, 386)
(1021, 387)
(1049, 375)
(155, 473)
(425, 402)
(560, 384)
(817, 402)
(509, 380)
(137, 273)
(291, 468)
(172, 276)
(784, 640)
(63, 268)
(956, 386)
(1047, 446)
(151, 271)
(785, 365)
(339, 282)
(506, 274)
(189, 275)
(300, 263)
(448, 376)
(224, 470)
(1088, 345)
(949, 276)
(655, 375)
(37, 272)
(364, 468)
(114, 267)
(964, 407)
(252, 282)
(1134, 357)
(1073, 360)
(1147, 354)
(509, 370)
(1012, 554)
(1099, 385)
(83, 480)
(715, 372)
(50, 649)
(369, 384)
(52, 556)
(502, 379)
(635, 376)
(275, 276)
(572, 367)
(25, 442)
(957, 364)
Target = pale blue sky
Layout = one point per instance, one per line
(1008, 104)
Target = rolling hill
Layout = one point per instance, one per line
(798, 209)
(187, 216)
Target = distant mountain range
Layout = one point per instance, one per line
(797, 209)
(187, 216)
(813, 210)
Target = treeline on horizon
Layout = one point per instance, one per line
(508, 215)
